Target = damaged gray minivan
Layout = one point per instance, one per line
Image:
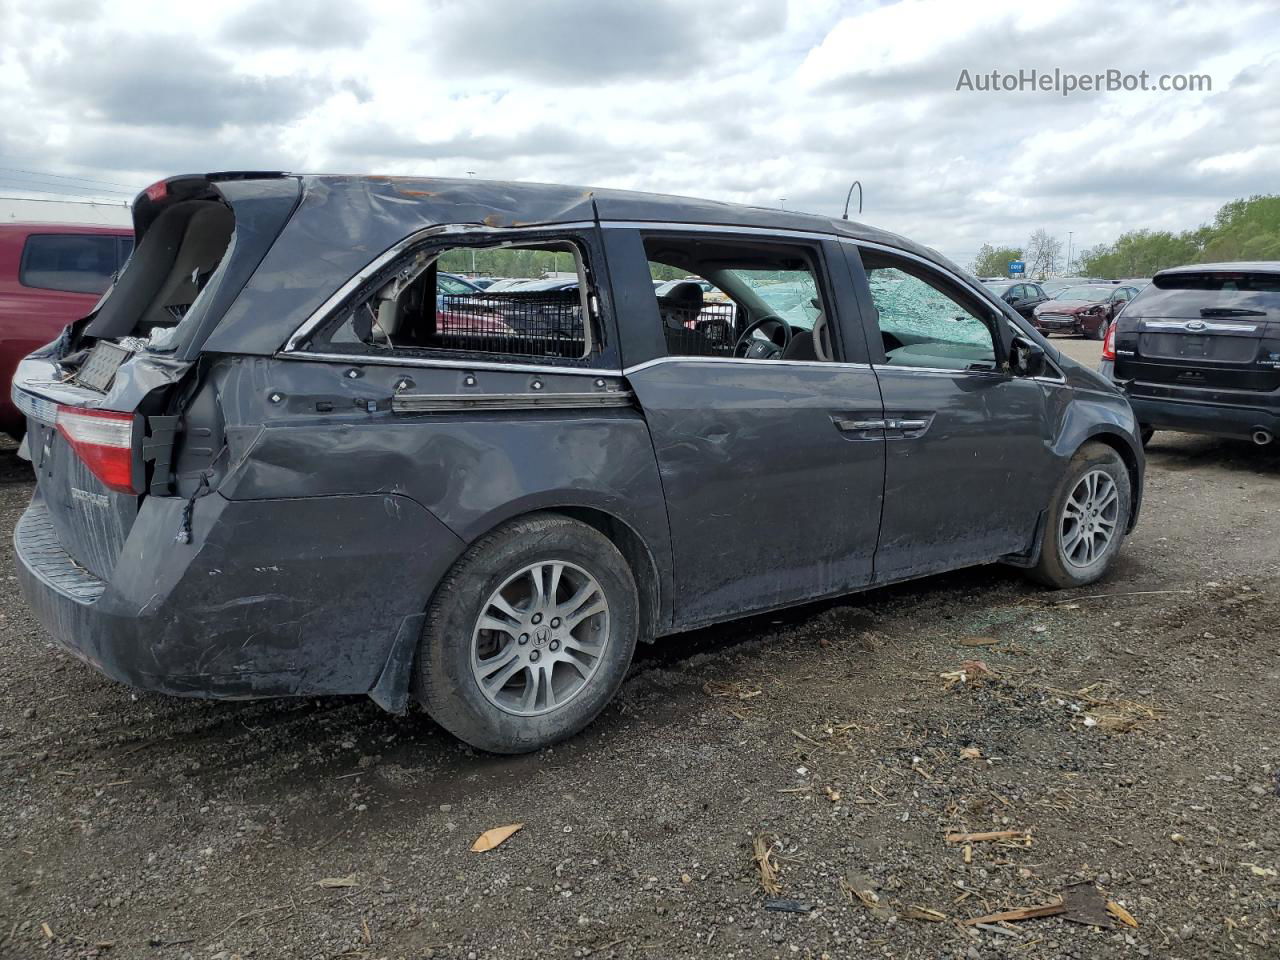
(281, 458)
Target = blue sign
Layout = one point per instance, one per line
(1017, 266)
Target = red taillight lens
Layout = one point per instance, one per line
(1109, 343)
(104, 441)
(157, 191)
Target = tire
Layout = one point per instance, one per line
(499, 577)
(1065, 561)
(1100, 331)
(1146, 433)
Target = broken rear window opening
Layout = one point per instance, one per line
(173, 264)
(418, 308)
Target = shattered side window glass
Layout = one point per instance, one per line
(792, 294)
(923, 327)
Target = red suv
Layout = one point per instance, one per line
(50, 274)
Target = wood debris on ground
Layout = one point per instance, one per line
(762, 854)
(969, 672)
(1020, 836)
(333, 883)
(1019, 913)
(737, 690)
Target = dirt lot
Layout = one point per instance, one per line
(1126, 734)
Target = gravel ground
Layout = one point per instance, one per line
(1125, 734)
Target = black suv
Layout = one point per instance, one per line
(277, 461)
(1199, 350)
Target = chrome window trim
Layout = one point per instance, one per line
(444, 363)
(1061, 376)
(321, 313)
(682, 358)
(907, 368)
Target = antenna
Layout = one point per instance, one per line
(849, 196)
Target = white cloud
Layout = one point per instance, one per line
(729, 100)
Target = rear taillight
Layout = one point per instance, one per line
(1109, 342)
(104, 441)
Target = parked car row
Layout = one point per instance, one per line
(1084, 310)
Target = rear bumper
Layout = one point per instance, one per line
(1182, 409)
(309, 598)
(1226, 421)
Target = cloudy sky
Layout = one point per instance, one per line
(729, 99)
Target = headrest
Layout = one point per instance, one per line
(685, 294)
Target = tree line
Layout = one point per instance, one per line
(1241, 230)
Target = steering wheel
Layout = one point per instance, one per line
(766, 347)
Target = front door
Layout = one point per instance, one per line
(762, 416)
(968, 465)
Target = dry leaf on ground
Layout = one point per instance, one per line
(1121, 914)
(495, 837)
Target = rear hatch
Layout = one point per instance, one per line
(1215, 330)
(102, 401)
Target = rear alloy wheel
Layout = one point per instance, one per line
(1087, 519)
(529, 636)
(540, 638)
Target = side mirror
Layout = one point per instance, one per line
(1026, 358)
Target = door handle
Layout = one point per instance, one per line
(853, 426)
(905, 424)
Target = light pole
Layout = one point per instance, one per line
(783, 201)
(1069, 236)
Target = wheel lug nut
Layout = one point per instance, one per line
(524, 638)
(534, 655)
(555, 645)
(537, 618)
(555, 622)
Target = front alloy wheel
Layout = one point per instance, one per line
(1086, 519)
(1090, 519)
